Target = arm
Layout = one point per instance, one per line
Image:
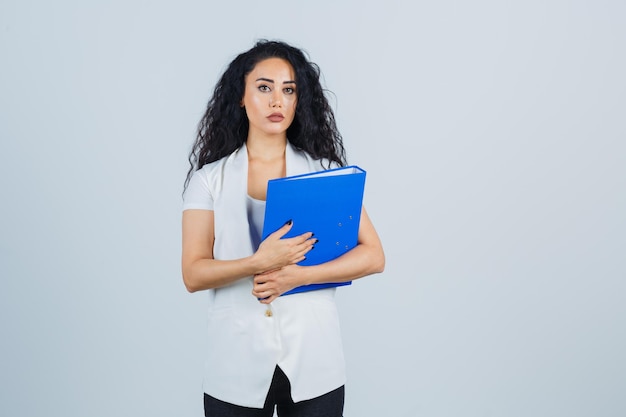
(201, 271)
(365, 259)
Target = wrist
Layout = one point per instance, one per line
(255, 265)
(306, 275)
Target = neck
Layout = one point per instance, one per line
(266, 148)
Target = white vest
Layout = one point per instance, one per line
(302, 336)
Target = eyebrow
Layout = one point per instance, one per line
(272, 81)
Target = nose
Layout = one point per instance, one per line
(275, 100)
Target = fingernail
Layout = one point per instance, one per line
(289, 221)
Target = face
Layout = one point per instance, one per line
(270, 97)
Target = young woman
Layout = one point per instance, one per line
(268, 118)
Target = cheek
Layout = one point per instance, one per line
(253, 101)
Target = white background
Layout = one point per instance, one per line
(493, 136)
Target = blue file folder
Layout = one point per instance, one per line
(327, 203)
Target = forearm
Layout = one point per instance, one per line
(361, 261)
(365, 259)
(201, 271)
(204, 274)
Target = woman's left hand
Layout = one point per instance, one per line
(271, 284)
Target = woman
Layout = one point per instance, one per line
(268, 118)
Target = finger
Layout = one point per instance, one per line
(299, 259)
(264, 277)
(260, 288)
(284, 229)
(309, 244)
(300, 254)
(302, 238)
(261, 293)
(268, 300)
(264, 296)
(265, 273)
(307, 247)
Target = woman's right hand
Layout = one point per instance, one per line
(275, 253)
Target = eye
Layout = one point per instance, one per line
(289, 90)
(264, 88)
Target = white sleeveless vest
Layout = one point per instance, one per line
(302, 336)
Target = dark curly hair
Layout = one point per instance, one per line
(224, 126)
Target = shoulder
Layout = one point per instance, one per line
(321, 164)
(210, 169)
(307, 162)
(199, 193)
(214, 170)
(209, 178)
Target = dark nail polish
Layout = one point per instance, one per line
(289, 221)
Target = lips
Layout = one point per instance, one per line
(276, 117)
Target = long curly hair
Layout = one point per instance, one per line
(224, 126)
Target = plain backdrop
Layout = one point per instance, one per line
(493, 134)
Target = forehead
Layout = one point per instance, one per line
(276, 69)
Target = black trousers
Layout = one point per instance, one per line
(279, 396)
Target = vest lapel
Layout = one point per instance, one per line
(232, 229)
(231, 217)
(297, 162)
